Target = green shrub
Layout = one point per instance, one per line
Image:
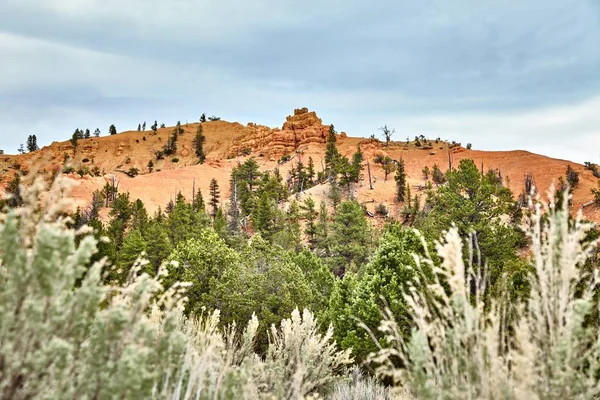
(133, 172)
(175, 160)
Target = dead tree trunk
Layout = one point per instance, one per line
(369, 170)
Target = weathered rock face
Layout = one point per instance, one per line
(302, 128)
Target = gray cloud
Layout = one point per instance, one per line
(74, 63)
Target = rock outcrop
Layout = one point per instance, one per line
(301, 128)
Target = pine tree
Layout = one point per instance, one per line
(112, 130)
(150, 166)
(334, 194)
(144, 126)
(357, 164)
(346, 171)
(87, 134)
(139, 127)
(400, 179)
(198, 202)
(309, 213)
(331, 154)
(350, 237)
(159, 245)
(32, 143)
(97, 132)
(214, 196)
(310, 172)
(199, 144)
(75, 139)
(133, 245)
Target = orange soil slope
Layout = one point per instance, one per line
(303, 135)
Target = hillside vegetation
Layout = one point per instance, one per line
(271, 275)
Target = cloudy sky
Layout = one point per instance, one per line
(501, 74)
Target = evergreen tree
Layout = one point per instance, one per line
(198, 203)
(32, 143)
(97, 132)
(334, 194)
(331, 154)
(357, 164)
(87, 134)
(265, 217)
(75, 139)
(476, 204)
(247, 177)
(350, 237)
(144, 126)
(139, 127)
(139, 216)
(203, 118)
(310, 214)
(400, 179)
(346, 171)
(133, 246)
(572, 177)
(112, 130)
(214, 196)
(150, 166)
(199, 144)
(158, 244)
(437, 175)
(310, 172)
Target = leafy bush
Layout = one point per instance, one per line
(381, 209)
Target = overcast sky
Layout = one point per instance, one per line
(501, 74)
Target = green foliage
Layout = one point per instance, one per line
(32, 143)
(400, 179)
(384, 281)
(477, 204)
(437, 175)
(331, 154)
(112, 130)
(214, 196)
(460, 350)
(199, 144)
(133, 172)
(572, 177)
(351, 238)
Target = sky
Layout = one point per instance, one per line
(500, 74)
